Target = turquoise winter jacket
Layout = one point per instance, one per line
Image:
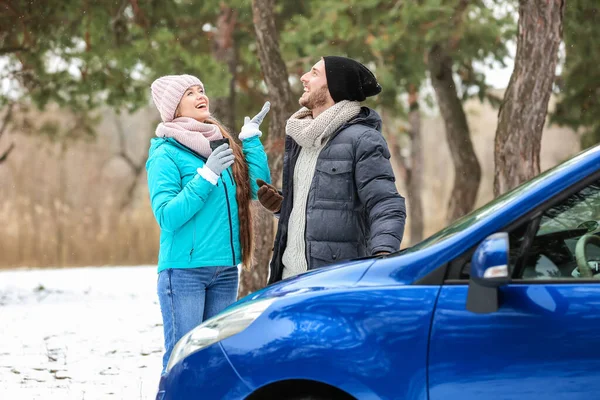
(198, 221)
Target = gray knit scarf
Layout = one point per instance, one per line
(309, 132)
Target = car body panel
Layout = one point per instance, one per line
(206, 374)
(541, 343)
(357, 340)
(337, 277)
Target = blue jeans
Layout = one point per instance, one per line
(189, 296)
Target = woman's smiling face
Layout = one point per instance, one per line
(194, 104)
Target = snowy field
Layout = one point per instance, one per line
(84, 333)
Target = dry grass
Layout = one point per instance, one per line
(35, 235)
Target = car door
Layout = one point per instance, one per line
(544, 340)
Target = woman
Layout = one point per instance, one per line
(201, 200)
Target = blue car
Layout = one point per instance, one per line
(502, 304)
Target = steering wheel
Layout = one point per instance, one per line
(580, 254)
(589, 225)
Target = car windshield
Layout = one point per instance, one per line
(481, 213)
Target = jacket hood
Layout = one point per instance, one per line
(368, 117)
(155, 143)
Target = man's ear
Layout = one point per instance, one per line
(330, 98)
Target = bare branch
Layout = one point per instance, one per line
(397, 6)
(120, 13)
(8, 50)
(9, 7)
(7, 118)
(454, 39)
(136, 167)
(140, 17)
(4, 156)
(392, 135)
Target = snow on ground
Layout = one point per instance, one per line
(83, 333)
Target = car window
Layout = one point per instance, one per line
(566, 244)
(491, 207)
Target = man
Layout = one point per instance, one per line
(339, 200)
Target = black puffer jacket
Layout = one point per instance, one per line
(353, 207)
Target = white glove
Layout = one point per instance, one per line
(251, 126)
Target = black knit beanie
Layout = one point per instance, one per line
(349, 80)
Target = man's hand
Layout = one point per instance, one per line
(269, 196)
(382, 253)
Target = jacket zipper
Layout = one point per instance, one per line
(230, 177)
(230, 225)
(193, 241)
(305, 240)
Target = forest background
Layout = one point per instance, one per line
(76, 117)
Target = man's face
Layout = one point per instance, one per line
(316, 93)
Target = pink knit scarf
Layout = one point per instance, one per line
(190, 133)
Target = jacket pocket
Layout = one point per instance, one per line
(325, 253)
(334, 180)
(182, 247)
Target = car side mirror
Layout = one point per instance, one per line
(489, 271)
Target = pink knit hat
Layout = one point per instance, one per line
(167, 92)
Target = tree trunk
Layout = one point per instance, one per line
(5, 122)
(467, 172)
(410, 167)
(137, 167)
(282, 105)
(415, 181)
(523, 111)
(225, 50)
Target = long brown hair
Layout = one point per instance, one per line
(242, 195)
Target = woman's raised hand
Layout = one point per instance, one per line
(251, 126)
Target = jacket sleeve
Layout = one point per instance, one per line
(173, 204)
(258, 165)
(375, 183)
